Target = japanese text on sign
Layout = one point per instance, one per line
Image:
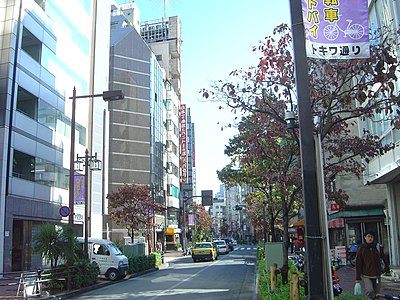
(336, 29)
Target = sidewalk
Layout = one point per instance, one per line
(347, 279)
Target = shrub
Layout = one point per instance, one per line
(157, 257)
(282, 291)
(81, 274)
(84, 274)
(260, 253)
(141, 263)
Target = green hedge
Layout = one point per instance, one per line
(81, 274)
(141, 263)
(158, 258)
(283, 291)
(85, 274)
(264, 280)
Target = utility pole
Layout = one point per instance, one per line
(313, 238)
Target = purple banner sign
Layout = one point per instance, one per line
(79, 189)
(336, 29)
(191, 221)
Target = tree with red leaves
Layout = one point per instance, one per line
(133, 207)
(346, 96)
(268, 160)
(203, 222)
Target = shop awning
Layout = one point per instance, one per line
(357, 213)
(336, 223)
(299, 223)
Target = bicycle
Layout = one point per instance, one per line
(354, 31)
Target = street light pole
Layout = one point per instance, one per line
(184, 239)
(313, 238)
(107, 96)
(89, 162)
(86, 205)
(71, 161)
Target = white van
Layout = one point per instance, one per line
(112, 263)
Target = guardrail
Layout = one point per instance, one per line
(27, 284)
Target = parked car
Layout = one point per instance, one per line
(110, 260)
(228, 241)
(204, 251)
(222, 247)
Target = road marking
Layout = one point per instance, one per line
(168, 291)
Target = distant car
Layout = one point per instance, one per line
(222, 247)
(234, 242)
(204, 251)
(228, 241)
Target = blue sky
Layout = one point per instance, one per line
(218, 37)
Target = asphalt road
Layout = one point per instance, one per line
(232, 276)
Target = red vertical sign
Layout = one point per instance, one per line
(184, 165)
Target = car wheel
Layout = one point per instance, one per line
(112, 275)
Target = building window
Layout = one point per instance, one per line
(23, 166)
(39, 170)
(31, 45)
(172, 169)
(27, 103)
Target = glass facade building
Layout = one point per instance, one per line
(47, 50)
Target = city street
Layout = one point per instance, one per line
(232, 276)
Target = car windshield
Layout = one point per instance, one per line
(220, 243)
(114, 249)
(205, 245)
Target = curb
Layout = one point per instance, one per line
(69, 294)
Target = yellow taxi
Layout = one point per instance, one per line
(204, 251)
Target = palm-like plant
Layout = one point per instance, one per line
(55, 242)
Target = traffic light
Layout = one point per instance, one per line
(237, 207)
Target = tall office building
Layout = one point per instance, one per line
(164, 39)
(47, 49)
(188, 185)
(172, 229)
(136, 123)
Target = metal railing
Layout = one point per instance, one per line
(25, 284)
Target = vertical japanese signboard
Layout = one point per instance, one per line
(336, 29)
(79, 189)
(184, 164)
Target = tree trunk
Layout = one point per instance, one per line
(132, 235)
(272, 225)
(285, 221)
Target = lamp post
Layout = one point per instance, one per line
(107, 96)
(88, 162)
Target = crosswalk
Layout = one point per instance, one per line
(250, 248)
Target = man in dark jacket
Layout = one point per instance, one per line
(368, 265)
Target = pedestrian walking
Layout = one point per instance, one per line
(368, 266)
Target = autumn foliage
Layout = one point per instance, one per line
(203, 222)
(133, 207)
(350, 101)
